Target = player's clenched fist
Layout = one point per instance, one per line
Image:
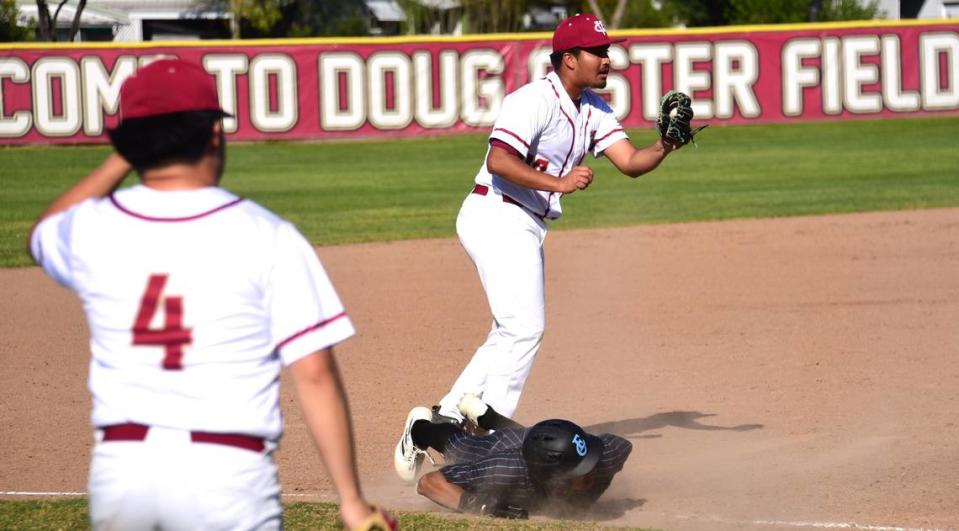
(578, 178)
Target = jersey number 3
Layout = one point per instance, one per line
(172, 336)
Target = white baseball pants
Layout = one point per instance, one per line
(505, 242)
(168, 482)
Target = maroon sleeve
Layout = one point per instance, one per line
(505, 147)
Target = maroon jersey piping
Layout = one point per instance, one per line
(144, 217)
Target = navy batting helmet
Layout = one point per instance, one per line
(558, 449)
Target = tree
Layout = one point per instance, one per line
(343, 18)
(850, 10)
(789, 11)
(760, 12)
(423, 18)
(493, 16)
(625, 14)
(618, 13)
(724, 12)
(47, 25)
(698, 12)
(814, 8)
(262, 15)
(9, 30)
(293, 18)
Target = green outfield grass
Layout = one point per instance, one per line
(399, 189)
(72, 515)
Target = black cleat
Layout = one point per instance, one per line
(439, 418)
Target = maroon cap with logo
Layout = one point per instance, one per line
(168, 86)
(581, 31)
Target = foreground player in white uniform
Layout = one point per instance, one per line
(543, 132)
(195, 299)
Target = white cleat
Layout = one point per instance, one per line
(472, 407)
(407, 458)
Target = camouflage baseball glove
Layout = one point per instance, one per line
(380, 520)
(675, 115)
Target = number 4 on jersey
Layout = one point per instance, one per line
(172, 336)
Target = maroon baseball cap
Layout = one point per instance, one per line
(168, 86)
(581, 31)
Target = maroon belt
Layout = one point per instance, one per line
(138, 432)
(483, 190)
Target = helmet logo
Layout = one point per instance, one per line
(580, 445)
(599, 27)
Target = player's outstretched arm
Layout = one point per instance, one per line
(633, 161)
(435, 487)
(327, 415)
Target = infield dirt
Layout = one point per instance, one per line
(770, 373)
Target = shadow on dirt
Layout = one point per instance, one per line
(635, 428)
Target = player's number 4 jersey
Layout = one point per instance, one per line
(194, 301)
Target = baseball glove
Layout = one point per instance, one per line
(675, 115)
(380, 520)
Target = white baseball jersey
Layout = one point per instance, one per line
(194, 300)
(545, 126)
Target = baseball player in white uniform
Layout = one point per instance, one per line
(195, 300)
(535, 155)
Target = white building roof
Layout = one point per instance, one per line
(386, 10)
(93, 15)
(107, 12)
(440, 4)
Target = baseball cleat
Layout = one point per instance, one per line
(407, 458)
(440, 418)
(472, 407)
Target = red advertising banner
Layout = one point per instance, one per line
(375, 87)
